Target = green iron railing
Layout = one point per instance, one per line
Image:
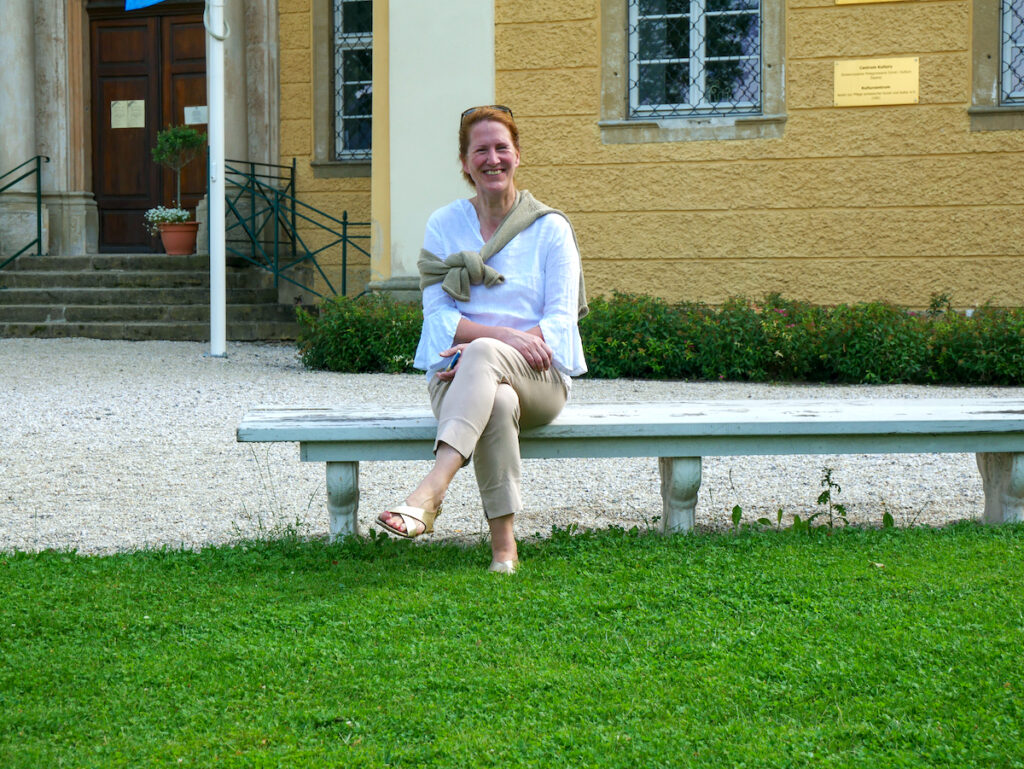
(35, 167)
(267, 225)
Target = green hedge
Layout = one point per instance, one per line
(777, 340)
(369, 334)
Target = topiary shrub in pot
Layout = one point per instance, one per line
(176, 147)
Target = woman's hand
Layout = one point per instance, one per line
(533, 348)
(448, 374)
(530, 344)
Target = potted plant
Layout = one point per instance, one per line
(176, 147)
(167, 223)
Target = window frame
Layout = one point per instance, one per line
(698, 59)
(1006, 54)
(325, 164)
(342, 42)
(987, 112)
(616, 125)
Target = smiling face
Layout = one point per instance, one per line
(491, 158)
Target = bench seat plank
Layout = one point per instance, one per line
(705, 428)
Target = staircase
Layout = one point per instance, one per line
(136, 296)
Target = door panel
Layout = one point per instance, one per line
(124, 45)
(124, 178)
(159, 61)
(122, 183)
(184, 85)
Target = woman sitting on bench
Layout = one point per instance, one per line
(502, 296)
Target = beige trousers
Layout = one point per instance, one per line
(480, 411)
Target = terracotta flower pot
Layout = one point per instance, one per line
(179, 238)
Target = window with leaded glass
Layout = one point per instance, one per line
(1012, 77)
(690, 58)
(353, 78)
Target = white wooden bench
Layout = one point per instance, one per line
(679, 434)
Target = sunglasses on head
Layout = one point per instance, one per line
(500, 107)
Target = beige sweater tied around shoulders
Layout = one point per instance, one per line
(459, 271)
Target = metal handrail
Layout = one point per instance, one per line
(269, 223)
(36, 162)
(273, 176)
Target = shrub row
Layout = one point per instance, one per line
(372, 333)
(643, 337)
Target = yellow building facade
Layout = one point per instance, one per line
(804, 197)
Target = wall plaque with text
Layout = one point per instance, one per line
(129, 113)
(872, 82)
(196, 115)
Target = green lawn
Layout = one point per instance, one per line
(881, 648)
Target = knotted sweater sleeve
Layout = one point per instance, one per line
(440, 315)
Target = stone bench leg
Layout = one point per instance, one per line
(343, 498)
(1003, 477)
(680, 482)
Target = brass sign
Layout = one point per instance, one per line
(872, 82)
(128, 114)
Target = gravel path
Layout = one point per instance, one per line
(109, 446)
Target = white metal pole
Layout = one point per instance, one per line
(216, 33)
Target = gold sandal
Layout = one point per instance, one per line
(504, 567)
(408, 512)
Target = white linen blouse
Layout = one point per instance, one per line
(541, 266)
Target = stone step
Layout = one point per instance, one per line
(240, 331)
(137, 297)
(130, 279)
(131, 296)
(87, 262)
(190, 313)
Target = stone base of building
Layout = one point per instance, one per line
(19, 224)
(402, 288)
(203, 217)
(74, 223)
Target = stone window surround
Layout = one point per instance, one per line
(617, 129)
(699, 26)
(986, 113)
(323, 163)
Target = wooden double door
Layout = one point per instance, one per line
(145, 70)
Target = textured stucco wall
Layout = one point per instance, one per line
(850, 204)
(331, 195)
